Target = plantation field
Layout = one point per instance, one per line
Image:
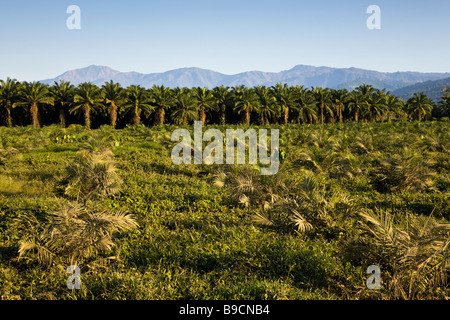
(347, 196)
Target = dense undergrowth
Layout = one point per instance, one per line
(347, 196)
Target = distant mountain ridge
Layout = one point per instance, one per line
(433, 89)
(308, 76)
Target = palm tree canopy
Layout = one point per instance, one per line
(9, 92)
(113, 93)
(267, 106)
(86, 94)
(283, 95)
(420, 105)
(365, 89)
(222, 94)
(355, 100)
(305, 105)
(184, 108)
(63, 92)
(35, 92)
(340, 96)
(321, 95)
(138, 98)
(204, 98)
(161, 96)
(374, 104)
(245, 99)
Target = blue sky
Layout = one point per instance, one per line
(226, 36)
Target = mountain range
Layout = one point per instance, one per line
(308, 76)
(433, 89)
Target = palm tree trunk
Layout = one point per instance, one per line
(247, 116)
(87, 116)
(159, 116)
(321, 113)
(340, 114)
(8, 117)
(286, 115)
(34, 115)
(223, 115)
(113, 114)
(62, 118)
(262, 119)
(356, 114)
(331, 118)
(202, 116)
(137, 117)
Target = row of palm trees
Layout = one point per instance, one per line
(261, 104)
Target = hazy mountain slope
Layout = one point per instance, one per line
(88, 74)
(432, 89)
(307, 76)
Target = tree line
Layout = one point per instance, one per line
(24, 103)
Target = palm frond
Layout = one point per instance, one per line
(75, 232)
(94, 175)
(262, 219)
(300, 222)
(34, 250)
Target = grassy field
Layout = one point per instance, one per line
(347, 196)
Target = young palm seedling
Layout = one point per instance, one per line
(93, 175)
(72, 234)
(415, 255)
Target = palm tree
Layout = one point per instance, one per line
(87, 98)
(323, 101)
(113, 95)
(284, 98)
(222, 97)
(267, 106)
(340, 98)
(138, 100)
(9, 97)
(245, 102)
(162, 99)
(184, 107)
(374, 105)
(356, 101)
(366, 89)
(305, 105)
(205, 101)
(393, 105)
(63, 94)
(420, 106)
(33, 94)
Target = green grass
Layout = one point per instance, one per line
(193, 241)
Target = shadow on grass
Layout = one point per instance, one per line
(302, 266)
(172, 169)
